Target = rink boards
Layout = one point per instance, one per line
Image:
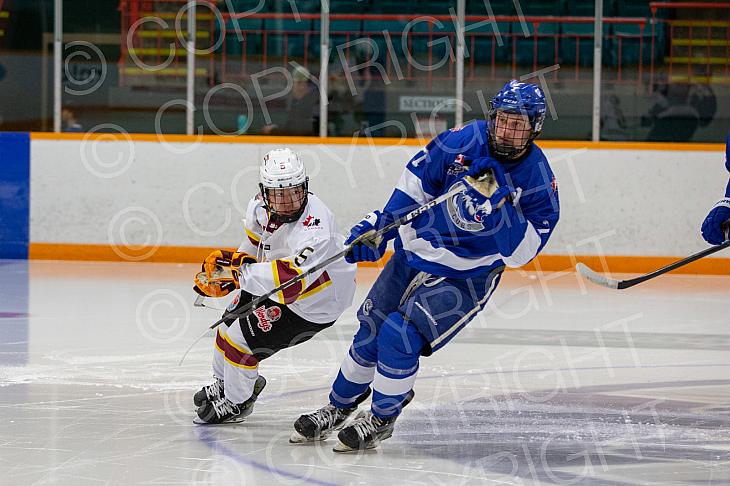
(139, 198)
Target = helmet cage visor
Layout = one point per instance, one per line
(285, 204)
(511, 131)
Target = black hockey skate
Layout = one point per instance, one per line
(367, 432)
(223, 411)
(209, 393)
(320, 424)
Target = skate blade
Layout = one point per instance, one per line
(341, 448)
(199, 421)
(297, 438)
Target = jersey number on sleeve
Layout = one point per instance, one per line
(302, 257)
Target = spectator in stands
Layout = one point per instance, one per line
(341, 107)
(302, 108)
(371, 95)
(613, 120)
(69, 122)
(678, 110)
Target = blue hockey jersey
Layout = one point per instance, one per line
(442, 241)
(727, 162)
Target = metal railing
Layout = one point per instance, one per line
(398, 45)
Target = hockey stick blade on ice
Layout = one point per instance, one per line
(610, 283)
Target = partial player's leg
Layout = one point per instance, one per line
(215, 390)
(242, 381)
(351, 387)
(432, 315)
(322, 423)
(399, 348)
(268, 329)
(358, 367)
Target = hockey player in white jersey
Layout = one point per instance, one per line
(288, 230)
(447, 261)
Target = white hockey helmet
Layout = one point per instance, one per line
(283, 183)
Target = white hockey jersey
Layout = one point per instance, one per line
(286, 250)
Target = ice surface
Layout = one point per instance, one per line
(557, 382)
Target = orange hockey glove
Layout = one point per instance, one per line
(220, 273)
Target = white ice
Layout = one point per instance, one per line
(557, 382)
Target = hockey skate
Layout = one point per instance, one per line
(320, 424)
(209, 393)
(367, 432)
(223, 411)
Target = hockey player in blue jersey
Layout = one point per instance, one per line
(447, 262)
(714, 226)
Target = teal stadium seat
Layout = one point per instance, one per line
(628, 37)
(350, 6)
(543, 7)
(341, 32)
(576, 44)
(433, 7)
(374, 29)
(499, 7)
(633, 8)
(308, 6)
(544, 37)
(484, 38)
(289, 31)
(420, 40)
(314, 47)
(243, 31)
(582, 9)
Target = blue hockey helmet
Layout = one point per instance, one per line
(521, 99)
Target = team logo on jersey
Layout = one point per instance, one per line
(367, 306)
(457, 166)
(266, 316)
(311, 222)
(456, 205)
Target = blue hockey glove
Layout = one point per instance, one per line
(712, 228)
(477, 203)
(479, 167)
(367, 250)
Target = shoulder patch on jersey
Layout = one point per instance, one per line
(310, 222)
(457, 166)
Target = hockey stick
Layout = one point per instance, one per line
(201, 302)
(599, 279)
(371, 239)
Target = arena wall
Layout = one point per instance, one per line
(139, 198)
